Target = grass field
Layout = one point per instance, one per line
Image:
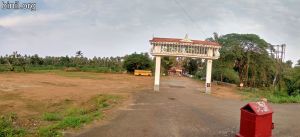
(76, 116)
(47, 103)
(253, 94)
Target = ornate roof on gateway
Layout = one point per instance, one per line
(185, 40)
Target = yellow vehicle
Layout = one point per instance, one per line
(142, 73)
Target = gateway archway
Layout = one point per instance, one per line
(184, 48)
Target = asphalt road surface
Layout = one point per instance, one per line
(181, 109)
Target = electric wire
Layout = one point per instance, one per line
(190, 18)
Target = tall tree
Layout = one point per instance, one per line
(244, 52)
(191, 65)
(79, 53)
(167, 63)
(289, 64)
(137, 61)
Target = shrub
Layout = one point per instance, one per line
(292, 81)
(225, 75)
(200, 74)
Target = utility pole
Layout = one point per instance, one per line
(279, 55)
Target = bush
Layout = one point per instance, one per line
(292, 81)
(230, 76)
(225, 75)
(201, 74)
(191, 66)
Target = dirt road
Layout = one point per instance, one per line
(180, 109)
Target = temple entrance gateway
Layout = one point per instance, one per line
(184, 48)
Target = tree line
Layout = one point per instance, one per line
(19, 62)
(16, 60)
(244, 60)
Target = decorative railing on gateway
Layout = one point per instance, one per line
(184, 48)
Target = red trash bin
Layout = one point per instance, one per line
(256, 120)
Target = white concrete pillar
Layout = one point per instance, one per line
(208, 76)
(157, 73)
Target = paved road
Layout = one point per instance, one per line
(180, 109)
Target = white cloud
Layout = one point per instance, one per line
(28, 20)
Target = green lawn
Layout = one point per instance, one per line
(254, 94)
(63, 116)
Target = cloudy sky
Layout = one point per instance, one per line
(119, 27)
